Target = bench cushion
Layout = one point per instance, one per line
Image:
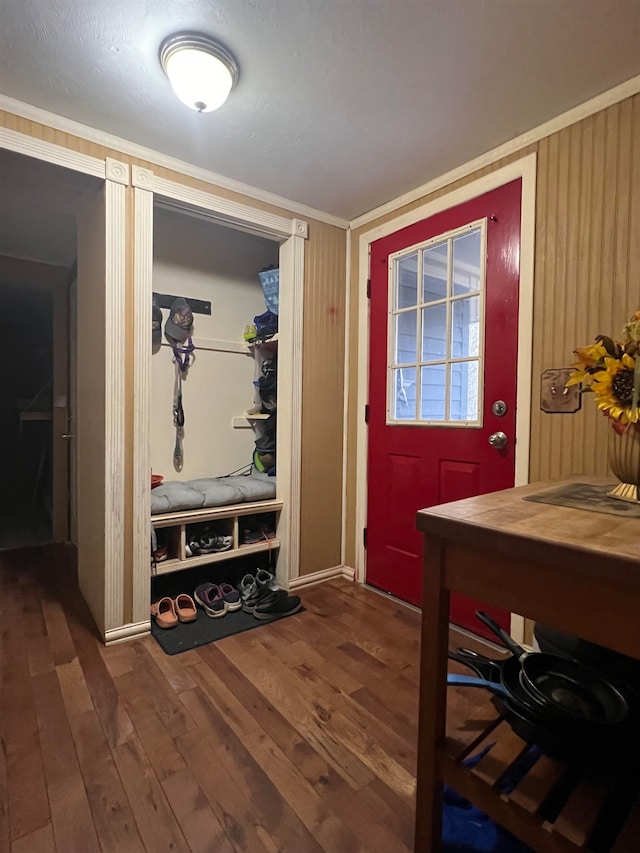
(177, 496)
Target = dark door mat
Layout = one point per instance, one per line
(205, 630)
(589, 497)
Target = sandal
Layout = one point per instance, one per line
(185, 608)
(164, 613)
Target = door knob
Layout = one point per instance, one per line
(67, 435)
(498, 440)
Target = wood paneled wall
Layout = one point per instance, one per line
(323, 359)
(587, 277)
(323, 399)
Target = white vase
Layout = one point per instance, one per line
(624, 461)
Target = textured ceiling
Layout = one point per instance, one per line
(341, 104)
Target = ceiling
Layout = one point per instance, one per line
(342, 105)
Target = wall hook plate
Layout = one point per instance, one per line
(555, 397)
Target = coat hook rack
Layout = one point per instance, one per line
(198, 306)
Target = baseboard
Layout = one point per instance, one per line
(133, 631)
(321, 576)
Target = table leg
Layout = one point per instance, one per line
(433, 696)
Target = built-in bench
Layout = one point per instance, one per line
(231, 501)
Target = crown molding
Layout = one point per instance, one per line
(174, 194)
(588, 108)
(156, 158)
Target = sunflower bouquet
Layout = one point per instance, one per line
(611, 370)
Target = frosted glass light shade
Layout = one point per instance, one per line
(201, 71)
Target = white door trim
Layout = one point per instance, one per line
(115, 174)
(30, 146)
(290, 234)
(525, 169)
(142, 290)
(114, 469)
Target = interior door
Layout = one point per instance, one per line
(60, 414)
(442, 379)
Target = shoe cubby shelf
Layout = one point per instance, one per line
(247, 420)
(176, 523)
(269, 345)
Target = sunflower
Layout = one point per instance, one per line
(611, 370)
(589, 359)
(613, 387)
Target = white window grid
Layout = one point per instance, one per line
(418, 309)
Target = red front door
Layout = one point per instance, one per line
(442, 379)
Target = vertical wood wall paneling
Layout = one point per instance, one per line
(587, 275)
(622, 290)
(323, 397)
(634, 203)
(586, 302)
(573, 451)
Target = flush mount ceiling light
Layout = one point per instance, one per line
(201, 71)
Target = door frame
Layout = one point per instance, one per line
(291, 235)
(525, 169)
(101, 573)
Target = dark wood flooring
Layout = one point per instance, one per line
(298, 737)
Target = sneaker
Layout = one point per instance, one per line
(247, 587)
(230, 596)
(276, 604)
(257, 533)
(210, 599)
(249, 604)
(213, 544)
(192, 549)
(266, 580)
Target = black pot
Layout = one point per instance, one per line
(568, 689)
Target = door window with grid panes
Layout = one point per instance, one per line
(436, 330)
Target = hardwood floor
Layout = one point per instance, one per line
(297, 737)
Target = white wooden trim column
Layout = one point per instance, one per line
(142, 180)
(117, 181)
(289, 437)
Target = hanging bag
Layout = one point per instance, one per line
(177, 331)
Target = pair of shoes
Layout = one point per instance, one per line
(208, 545)
(218, 542)
(257, 533)
(206, 540)
(252, 585)
(169, 611)
(275, 604)
(217, 599)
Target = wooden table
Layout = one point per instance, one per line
(570, 568)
